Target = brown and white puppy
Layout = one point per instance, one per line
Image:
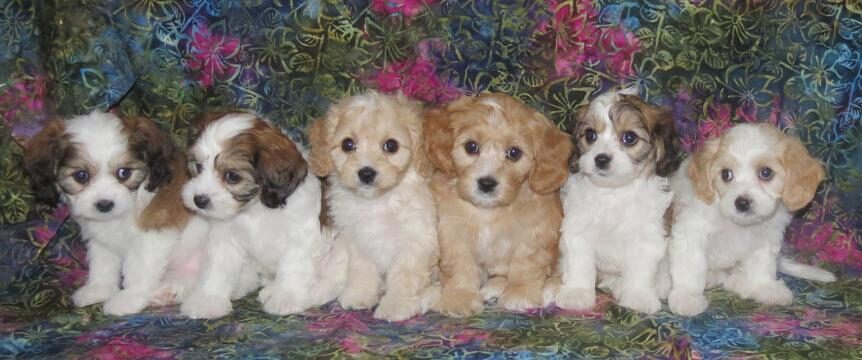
(121, 179)
(615, 202)
(731, 205)
(371, 151)
(251, 183)
(501, 165)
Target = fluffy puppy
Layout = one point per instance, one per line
(501, 165)
(615, 204)
(732, 204)
(369, 147)
(121, 179)
(252, 185)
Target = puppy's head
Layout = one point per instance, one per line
(237, 160)
(97, 162)
(752, 169)
(369, 142)
(621, 138)
(495, 146)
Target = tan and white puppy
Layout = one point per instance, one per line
(369, 147)
(615, 203)
(501, 165)
(731, 206)
(251, 183)
(121, 179)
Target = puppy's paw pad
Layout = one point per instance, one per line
(398, 308)
(125, 303)
(277, 301)
(206, 307)
(578, 299)
(687, 303)
(460, 302)
(522, 297)
(93, 294)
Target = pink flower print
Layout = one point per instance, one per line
(417, 79)
(123, 348)
(747, 112)
(26, 97)
(717, 121)
(210, 53)
(350, 345)
(468, 336)
(351, 321)
(408, 8)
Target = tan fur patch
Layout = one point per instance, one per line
(166, 210)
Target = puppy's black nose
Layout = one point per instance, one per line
(487, 184)
(104, 205)
(202, 201)
(742, 204)
(367, 175)
(602, 161)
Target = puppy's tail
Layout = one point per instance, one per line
(803, 271)
(332, 271)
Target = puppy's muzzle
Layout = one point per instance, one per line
(367, 175)
(104, 205)
(487, 184)
(742, 204)
(201, 201)
(603, 161)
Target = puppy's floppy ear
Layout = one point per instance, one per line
(700, 172)
(420, 159)
(553, 150)
(319, 159)
(42, 156)
(154, 146)
(575, 130)
(279, 165)
(439, 139)
(804, 174)
(667, 143)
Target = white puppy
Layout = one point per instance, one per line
(615, 204)
(251, 182)
(122, 181)
(732, 204)
(370, 149)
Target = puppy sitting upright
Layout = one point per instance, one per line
(501, 165)
(251, 182)
(614, 204)
(370, 149)
(732, 204)
(122, 181)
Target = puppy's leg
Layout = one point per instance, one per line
(529, 266)
(405, 281)
(104, 277)
(290, 291)
(225, 262)
(363, 281)
(641, 264)
(688, 265)
(755, 278)
(143, 269)
(186, 264)
(493, 287)
(577, 264)
(460, 275)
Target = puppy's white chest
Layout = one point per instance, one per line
(116, 235)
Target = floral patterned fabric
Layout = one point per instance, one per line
(796, 64)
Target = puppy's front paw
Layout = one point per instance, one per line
(643, 300)
(93, 294)
(398, 308)
(278, 301)
(201, 306)
(774, 293)
(686, 303)
(126, 302)
(456, 302)
(571, 298)
(493, 288)
(356, 298)
(522, 297)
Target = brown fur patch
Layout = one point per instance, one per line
(554, 149)
(700, 170)
(439, 140)
(804, 174)
(43, 156)
(319, 159)
(166, 210)
(153, 147)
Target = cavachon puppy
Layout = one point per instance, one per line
(732, 205)
(369, 147)
(121, 179)
(501, 165)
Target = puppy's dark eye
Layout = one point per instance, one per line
(81, 176)
(765, 173)
(514, 153)
(590, 135)
(198, 167)
(231, 177)
(124, 173)
(471, 147)
(348, 145)
(726, 175)
(390, 146)
(629, 138)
